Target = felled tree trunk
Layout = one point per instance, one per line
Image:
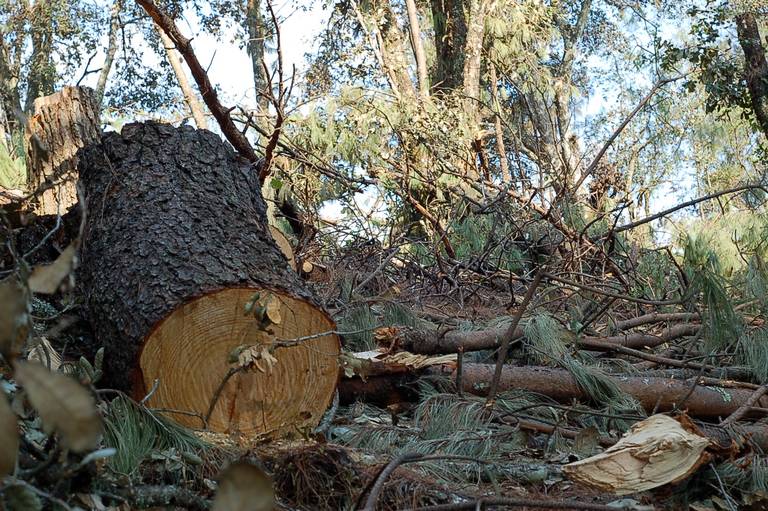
(447, 340)
(62, 123)
(661, 394)
(176, 243)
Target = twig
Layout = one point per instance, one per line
(746, 407)
(390, 467)
(484, 503)
(216, 395)
(459, 370)
(683, 205)
(207, 90)
(509, 335)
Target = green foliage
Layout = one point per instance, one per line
(753, 353)
(545, 338)
(656, 275)
(137, 434)
(363, 320)
(707, 282)
(747, 474)
(486, 237)
(13, 173)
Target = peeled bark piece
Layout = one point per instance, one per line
(654, 452)
(176, 243)
(62, 123)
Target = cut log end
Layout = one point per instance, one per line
(188, 354)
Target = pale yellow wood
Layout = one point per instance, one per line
(188, 354)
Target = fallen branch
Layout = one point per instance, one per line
(660, 393)
(447, 340)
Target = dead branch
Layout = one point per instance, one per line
(207, 90)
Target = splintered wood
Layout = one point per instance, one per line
(654, 452)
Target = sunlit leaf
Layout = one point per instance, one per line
(273, 310)
(46, 279)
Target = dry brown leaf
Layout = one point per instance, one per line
(244, 487)
(64, 406)
(9, 437)
(254, 355)
(273, 309)
(14, 318)
(46, 279)
(654, 452)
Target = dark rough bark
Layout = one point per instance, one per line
(756, 67)
(173, 214)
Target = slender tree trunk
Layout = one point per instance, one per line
(756, 69)
(473, 53)
(40, 80)
(393, 47)
(9, 92)
(114, 29)
(450, 32)
(506, 177)
(194, 104)
(257, 35)
(418, 48)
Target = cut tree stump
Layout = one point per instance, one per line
(176, 243)
(62, 123)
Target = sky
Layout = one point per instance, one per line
(229, 68)
(300, 27)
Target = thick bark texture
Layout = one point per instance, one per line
(175, 221)
(63, 123)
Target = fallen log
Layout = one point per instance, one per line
(176, 243)
(450, 340)
(660, 394)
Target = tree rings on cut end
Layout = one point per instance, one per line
(188, 354)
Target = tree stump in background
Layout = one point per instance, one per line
(62, 124)
(176, 243)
